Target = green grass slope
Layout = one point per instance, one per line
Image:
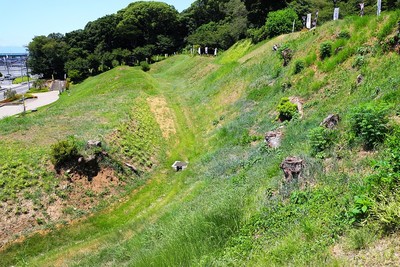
(232, 206)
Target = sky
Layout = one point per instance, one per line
(22, 20)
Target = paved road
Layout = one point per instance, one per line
(19, 88)
(42, 99)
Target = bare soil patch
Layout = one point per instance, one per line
(73, 197)
(163, 115)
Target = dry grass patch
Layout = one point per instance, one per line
(163, 115)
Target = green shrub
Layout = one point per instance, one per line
(145, 66)
(64, 151)
(10, 95)
(382, 185)
(257, 35)
(321, 139)
(310, 58)
(369, 122)
(361, 208)
(325, 50)
(344, 34)
(299, 65)
(39, 83)
(280, 22)
(287, 110)
(358, 62)
(362, 50)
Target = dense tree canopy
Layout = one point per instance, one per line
(144, 29)
(225, 32)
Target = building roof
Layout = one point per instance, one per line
(180, 164)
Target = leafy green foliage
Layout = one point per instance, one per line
(325, 50)
(280, 22)
(299, 65)
(144, 66)
(287, 110)
(344, 34)
(226, 32)
(321, 139)
(47, 55)
(369, 123)
(64, 151)
(361, 208)
(257, 35)
(380, 195)
(39, 84)
(358, 62)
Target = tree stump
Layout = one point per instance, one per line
(331, 121)
(360, 79)
(287, 56)
(292, 168)
(274, 138)
(93, 143)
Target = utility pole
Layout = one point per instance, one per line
(27, 73)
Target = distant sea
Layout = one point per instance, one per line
(12, 49)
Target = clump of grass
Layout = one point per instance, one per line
(325, 50)
(299, 65)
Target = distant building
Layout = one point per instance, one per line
(180, 165)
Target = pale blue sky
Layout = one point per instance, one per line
(21, 20)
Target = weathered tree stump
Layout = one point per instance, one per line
(292, 168)
(93, 143)
(274, 138)
(360, 79)
(331, 121)
(287, 56)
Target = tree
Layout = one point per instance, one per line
(143, 22)
(280, 22)
(47, 55)
(77, 69)
(203, 12)
(102, 31)
(259, 9)
(226, 32)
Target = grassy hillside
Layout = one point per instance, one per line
(232, 206)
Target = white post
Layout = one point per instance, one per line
(379, 7)
(23, 101)
(294, 21)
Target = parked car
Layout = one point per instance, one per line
(9, 77)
